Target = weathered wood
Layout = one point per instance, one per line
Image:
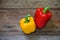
(28, 37)
(9, 22)
(11, 11)
(26, 8)
(29, 3)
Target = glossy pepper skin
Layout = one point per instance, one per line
(42, 16)
(27, 25)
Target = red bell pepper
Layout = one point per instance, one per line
(42, 16)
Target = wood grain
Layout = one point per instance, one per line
(29, 3)
(9, 22)
(11, 11)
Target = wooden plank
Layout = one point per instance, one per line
(9, 22)
(28, 37)
(29, 3)
(26, 8)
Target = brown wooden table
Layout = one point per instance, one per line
(11, 11)
(9, 21)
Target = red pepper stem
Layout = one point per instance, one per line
(26, 18)
(45, 9)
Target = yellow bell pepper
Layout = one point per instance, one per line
(27, 24)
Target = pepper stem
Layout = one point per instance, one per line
(26, 18)
(45, 9)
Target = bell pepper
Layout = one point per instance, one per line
(27, 24)
(42, 16)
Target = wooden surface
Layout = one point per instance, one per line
(9, 21)
(10, 30)
(29, 3)
(28, 37)
(11, 11)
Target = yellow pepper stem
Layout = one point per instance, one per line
(26, 18)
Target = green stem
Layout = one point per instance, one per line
(45, 9)
(26, 18)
